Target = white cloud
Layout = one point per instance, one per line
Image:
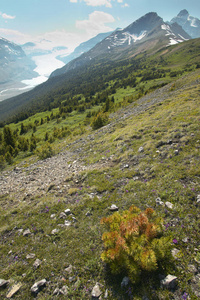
(56, 38)
(96, 23)
(46, 41)
(107, 3)
(7, 17)
(14, 36)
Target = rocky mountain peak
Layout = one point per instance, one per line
(146, 22)
(183, 13)
(190, 24)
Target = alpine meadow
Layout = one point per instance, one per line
(100, 171)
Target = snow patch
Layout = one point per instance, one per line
(128, 38)
(172, 42)
(193, 23)
(183, 38)
(165, 27)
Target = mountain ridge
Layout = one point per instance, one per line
(131, 42)
(190, 24)
(91, 78)
(14, 64)
(133, 34)
(84, 47)
(145, 28)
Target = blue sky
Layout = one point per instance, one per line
(69, 22)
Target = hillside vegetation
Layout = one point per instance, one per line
(145, 154)
(88, 85)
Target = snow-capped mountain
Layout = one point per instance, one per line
(14, 67)
(14, 64)
(147, 32)
(190, 24)
(148, 26)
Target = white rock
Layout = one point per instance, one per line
(30, 256)
(69, 269)
(62, 215)
(35, 288)
(176, 152)
(67, 211)
(106, 294)
(3, 282)
(37, 263)
(114, 207)
(169, 282)
(15, 288)
(26, 232)
(126, 166)
(96, 293)
(67, 223)
(141, 149)
(54, 231)
(169, 205)
(159, 202)
(64, 290)
(56, 292)
(186, 239)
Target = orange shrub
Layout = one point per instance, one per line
(134, 242)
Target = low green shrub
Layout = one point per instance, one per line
(45, 151)
(100, 120)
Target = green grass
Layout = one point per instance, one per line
(156, 172)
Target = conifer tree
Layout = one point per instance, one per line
(8, 137)
(134, 242)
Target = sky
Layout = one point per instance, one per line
(54, 23)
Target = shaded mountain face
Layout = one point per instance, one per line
(190, 24)
(84, 47)
(14, 64)
(147, 32)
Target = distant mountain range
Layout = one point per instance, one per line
(148, 32)
(136, 32)
(14, 64)
(84, 47)
(190, 24)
